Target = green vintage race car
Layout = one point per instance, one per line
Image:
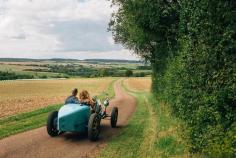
(81, 118)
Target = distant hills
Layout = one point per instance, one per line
(67, 60)
(113, 60)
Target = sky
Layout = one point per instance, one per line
(58, 29)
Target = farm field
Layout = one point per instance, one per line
(22, 67)
(24, 96)
(69, 68)
(138, 84)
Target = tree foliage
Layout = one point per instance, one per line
(191, 45)
(128, 73)
(13, 76)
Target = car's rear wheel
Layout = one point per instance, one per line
(52, 124)
(114, 117)
(94, 127)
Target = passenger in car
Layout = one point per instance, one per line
(84, 98)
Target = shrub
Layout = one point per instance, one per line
(128, 73)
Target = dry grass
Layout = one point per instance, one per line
(24, 96)
(138, 84)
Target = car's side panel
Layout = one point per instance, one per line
(73, 118)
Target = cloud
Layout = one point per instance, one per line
(44, 28)
(84, 34)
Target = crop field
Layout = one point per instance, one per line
(19, 66)
(26, 95)
(67, 68)
(138, 84)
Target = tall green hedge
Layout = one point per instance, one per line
(191, 45)
(205, 95)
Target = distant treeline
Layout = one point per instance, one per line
(14, 76)
(82, 71)
(5, 75)
(20, 60)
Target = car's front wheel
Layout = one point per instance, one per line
(52, 124)
(94, 127)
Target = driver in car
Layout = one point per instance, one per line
(73, 99)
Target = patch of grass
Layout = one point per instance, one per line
(25, 121)
(110, 90)
(164, 142)
(169, 147)
(128, 141)
(34, 119)
(151, 132)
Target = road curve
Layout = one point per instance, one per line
(37, 144)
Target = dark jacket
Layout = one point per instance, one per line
(72, 100)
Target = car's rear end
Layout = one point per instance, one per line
(73, 118)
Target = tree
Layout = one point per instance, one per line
(104, 72)
(150, 29)
(128, 73)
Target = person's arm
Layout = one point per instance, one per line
(85, 102)
(92, 103)
(75, 100)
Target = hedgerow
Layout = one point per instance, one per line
(191, 45)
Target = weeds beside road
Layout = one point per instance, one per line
(151, 132)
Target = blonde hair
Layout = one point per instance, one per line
(84, 95)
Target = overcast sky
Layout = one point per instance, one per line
(57, 29)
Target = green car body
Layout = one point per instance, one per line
(73, 118)
(80, 118)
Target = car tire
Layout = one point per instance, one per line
(52, 124)
(94, 127)
(114, 117)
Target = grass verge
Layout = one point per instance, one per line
(110, 91)
(34, 119)
(25, 121)
(151, 132)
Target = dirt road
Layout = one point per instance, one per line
(37, 144)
